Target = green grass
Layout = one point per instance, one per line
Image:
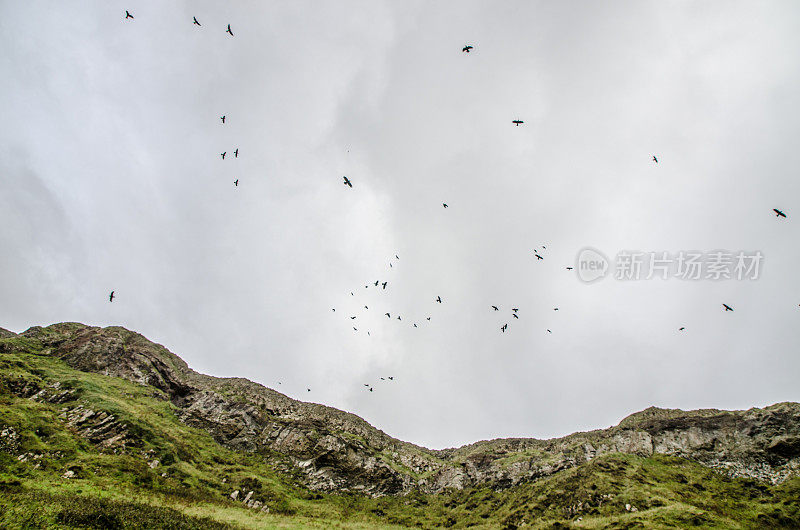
(114, 487)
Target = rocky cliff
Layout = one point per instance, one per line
(335, 450)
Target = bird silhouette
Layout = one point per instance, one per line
(549, 331)
(515, 309)
(377, 282)
(537, 256)
(128, 15)
(428, 318)
(370, 389)
(517, 122)
(514, 315)
(382, 379)
(351, 318)
(391, 378)
(569, 268)
(466, 48)
(495, 308)
(415, 325)
(396, 256)
(444, 204)
(681, 329)
(439, 299)
(195, 21)
(503, 328)
(111, 297)
(398, 317)
(333, 309)
(727, 307)
(655, 159)
(222, 118)
(223, 155)
(365, 307)
(778, 213)
(388, 315)
(229, 30)
(366, 385)
(236, 153)
(555, 309)
(308, 389)
(236, 182)
(384, 284)
(347, 182)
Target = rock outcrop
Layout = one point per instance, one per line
(335, 450)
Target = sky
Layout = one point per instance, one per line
(111, 179)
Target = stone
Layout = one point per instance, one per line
(235, 495)
(247, 497)
(153, 464)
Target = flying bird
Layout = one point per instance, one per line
(377, 282)
(655, 159)
(384, 284)
(778, 213)
(128, 15)
(727, 307)
(555, 309)
(365, 307)
(223, 155)
(236, 153)
(347, 182)
(415, 325)
(444, 204)
(466, 48)
(681, 329)
(537, 256)
(503, 328)
(549, 331)
(111, 297)
(333, 309)
(229, 30)
(517, 122)
(439, 299)
(398, 317)
(195, 21)
(308, 389)
(236, 182)
(388, 315)
(396, 256)
(382, 379)
(222, 118)
(569, 268)
(391, 378)
(428, 318)
(514, 315)
(370, 389)
(495, 308)
(351, 318)
(515, 309)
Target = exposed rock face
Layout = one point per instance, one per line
(335, 450)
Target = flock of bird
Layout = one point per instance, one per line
(381, 285)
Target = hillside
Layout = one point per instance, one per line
(101, 427)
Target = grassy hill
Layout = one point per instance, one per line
(86, 450)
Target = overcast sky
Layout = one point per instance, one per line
(111, 179)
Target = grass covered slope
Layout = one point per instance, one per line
(87, 450)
